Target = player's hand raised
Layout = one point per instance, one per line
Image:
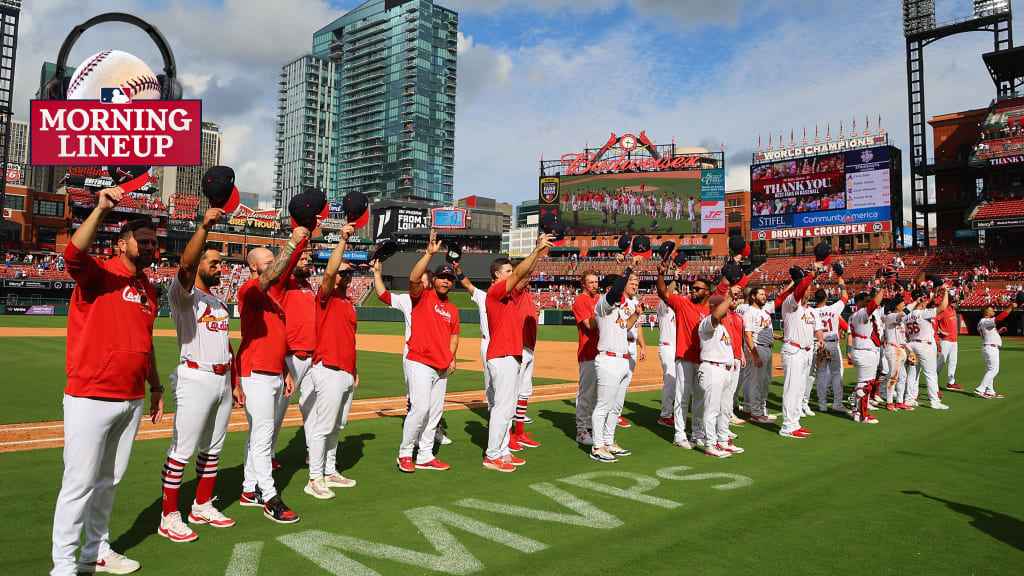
(433, 244)
(543, 242)
(299, 234)
(347, 230)
(108, 198)
(375, 266)
(211, 217)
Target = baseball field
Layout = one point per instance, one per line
(925, 492)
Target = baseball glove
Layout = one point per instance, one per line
(911, 357)
(823, 356)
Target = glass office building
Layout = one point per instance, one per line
(386, 124)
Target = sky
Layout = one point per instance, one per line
(547, 77)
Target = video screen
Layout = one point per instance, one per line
(663, 202)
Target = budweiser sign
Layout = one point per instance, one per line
(245, 216)
(584, 163)
(123, 133)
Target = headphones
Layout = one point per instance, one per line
(170, 88)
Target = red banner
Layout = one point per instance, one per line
(820, 231)
(138, 133)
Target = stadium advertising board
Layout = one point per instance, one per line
(712, 201)
(630, 184)
(819, 148)
(245, 216)
(394, 219)
(845, 193)
(449, 218)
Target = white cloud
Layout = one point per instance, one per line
(196, 84)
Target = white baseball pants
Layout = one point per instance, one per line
(667, 356)
(586, 396)
(991, 356)
(502, 400)
(729, 394)
(483, 362)
(299, 369)
(714, 381)
(613, 374)
(897, 359)
(948, 352)
(203, 408)
(830, 376)
(797, 365)
(687, 388)
(426, 406)
(525, 388)
(758, 380)
(262, 393)
(322, 401)
(98, 437)
(927, 363)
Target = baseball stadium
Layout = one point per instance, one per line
(650, 373)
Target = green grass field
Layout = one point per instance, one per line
(920, 493)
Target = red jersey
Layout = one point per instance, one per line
(300, 313)
(336, 331)
(434, 321)
(948, 327)
(688, 317)
(528, 309)
(110, 328)
(734, 327)
(264, 341)
(583, 310)
(504, 320)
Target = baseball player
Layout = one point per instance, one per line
(109, 360)
(261, 369)
(202, 385)
(717, 363)
(327, 396)
(757, 326)
(299, 303)
(616, 315)
(520, 438)
(733, 322)
(863, 349)
(896, 351)
(586, 352)
(689, 312)
(479, 297)
(921, 337)
(798, 342)
(667, 356)
(991, 341)
(504, 353)
(828, 319)
(948, 330)
(433, 344)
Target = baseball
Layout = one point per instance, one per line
(113, 69)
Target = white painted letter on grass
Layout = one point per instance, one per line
(326, 550)
(245, 559)
(642, 484)
(585, 514)
(735, 480)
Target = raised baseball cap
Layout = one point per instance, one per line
(737, 245)
(129, 178)
(666, 248)
(625, 241)
(453, 254)
(307, 209)
(356, 207)
(219, 188)
(642, 246)
(445, 270)
(552, 225)
(715, 301)
(823, 252)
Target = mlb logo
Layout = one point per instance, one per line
(115, 95)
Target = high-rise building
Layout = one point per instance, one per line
(188, 180)
(372, 108)
(17, 150)
(10, 12)
(306, 119)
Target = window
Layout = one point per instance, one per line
(14, 202)
(48, 208)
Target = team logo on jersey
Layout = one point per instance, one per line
(130, 294)
(213, 322)
(441, 311)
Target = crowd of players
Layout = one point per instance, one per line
(715, 345)
(626, 201)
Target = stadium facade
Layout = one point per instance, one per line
(372, 107)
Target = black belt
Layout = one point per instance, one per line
(727, 366)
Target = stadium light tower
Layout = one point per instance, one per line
(9, 12)
(920, 30)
